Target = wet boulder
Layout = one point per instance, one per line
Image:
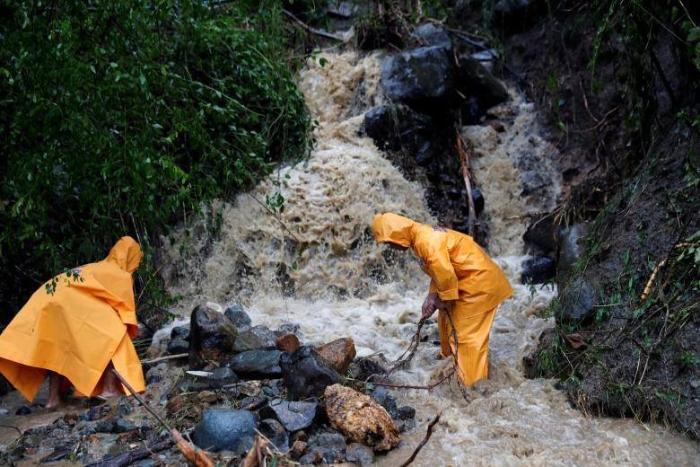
(306, 374)
(257, 337)
(386, 400)
(430, 34)
(294, 415)
(338, 353)
(324, 448)
(288, 343)
(178, 346)
(577, 301)
(360, 418)
(364, 368)
(541, 235)
(421, 78)
(211, 336)
(238, 316)
(275, 432)
(223, 429)
(257, 364)
(538, 270)
(477, 82)
(396, 127)
(180, 332)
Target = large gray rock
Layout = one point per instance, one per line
(238, 316)
(225, 429)
(538, 270)
(257, 337)
(422, 78)
(396, 127)
(476, 81)
(577, 300)
(257, 364)
(211, 336)
(306, 374)
(294, 415)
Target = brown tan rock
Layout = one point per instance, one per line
(338, 353)
(360, 418)
(288, 343)
(298, 448)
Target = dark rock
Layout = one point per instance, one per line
(221, 377)
(542, 234)
(429, 34)
(422, 78)
(359, 454)
(24, 410)
(294, 415)
(276, 433)
(363, 367)
(571, 249)
(326, 448)
(121, 425)
(95, 413)
(211, 336)
(288, 343)
(257, 364)
(338, 353)
(476, 81)
(181, 332)
(396, 127)
(406, 412)
(273, 388)
(538, 270)
(225, 429)
(405, 425)
(577, 300)
(253, 402)
(237, 314)
(257, 337)
(178, 346)
(386, 400)
(306, 374)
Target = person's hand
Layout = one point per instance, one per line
(429, 306)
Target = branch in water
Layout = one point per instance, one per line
(428, 433)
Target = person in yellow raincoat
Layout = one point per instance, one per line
(466, 286)
(78, 326)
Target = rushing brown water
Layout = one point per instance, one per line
(322, 251)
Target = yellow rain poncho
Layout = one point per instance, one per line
(78, 330)
(462, 272)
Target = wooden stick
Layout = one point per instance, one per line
(167, 357)
(308, 28)
(428, 434)
(428, 387)
(194, 455)
(130, 457)
(408, 354)
(464, 164)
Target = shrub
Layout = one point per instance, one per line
(120, 117)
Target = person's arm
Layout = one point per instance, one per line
(432, 250)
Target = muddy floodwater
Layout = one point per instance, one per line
(315, 265)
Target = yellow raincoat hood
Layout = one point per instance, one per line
(126, 253)
(393, 228)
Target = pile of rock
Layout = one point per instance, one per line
(246, 379)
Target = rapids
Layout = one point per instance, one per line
(315, 264)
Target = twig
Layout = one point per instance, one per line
(194, 455)
(131, 457)
(274, 214)
(428, 434)
(428, 387)
(408, 354)
(167, 357)
(12, 427)
(464, 164)
(308, 28)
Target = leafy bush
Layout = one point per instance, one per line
(120, 117)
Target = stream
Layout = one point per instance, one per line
(316, 265)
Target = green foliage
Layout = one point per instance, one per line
(120, 117)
